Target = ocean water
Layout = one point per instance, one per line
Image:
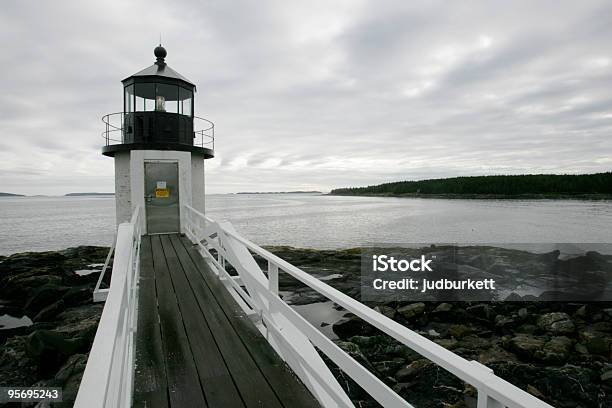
(320, 221)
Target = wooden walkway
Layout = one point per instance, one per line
(195, 347)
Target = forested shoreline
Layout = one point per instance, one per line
(597, 185)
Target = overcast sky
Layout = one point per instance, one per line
(314, 94)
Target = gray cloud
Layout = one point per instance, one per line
(315, 95)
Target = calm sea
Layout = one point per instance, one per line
(318, 221)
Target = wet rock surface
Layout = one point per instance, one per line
(44, 286)
(560, 352)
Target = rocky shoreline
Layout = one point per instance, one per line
(559, 352)
(45, 286)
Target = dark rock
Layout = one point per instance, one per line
(69, 378)
(482, 311)
(555, 351)
(556, 323)
(50, 312)
(351, 326)
(494, 354)
(524, 345)
(606, 376)
(43, 297)
(581, 312)
(459, 330)
(49, 349)
(581, 348)
(448, 344)
(388, 367)
(427, 385)
(502, 321)
(527, 329)
(602, 327)
(474, 342)
(564, 387)
(77, 296)
(386, 311)
(412, 310)
(412, 370)
(443, 308)
(354, 351)
(599, 345)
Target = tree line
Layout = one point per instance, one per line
(527, 184)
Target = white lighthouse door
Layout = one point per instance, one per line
(162, 197)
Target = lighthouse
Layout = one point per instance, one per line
(159, 147)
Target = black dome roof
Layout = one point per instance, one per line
(160, 68)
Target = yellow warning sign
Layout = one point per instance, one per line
(162, 192)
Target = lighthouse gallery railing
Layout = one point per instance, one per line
(295, 339)
(108, 377)
(114, 127)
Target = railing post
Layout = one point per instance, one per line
(484, 401)
(273, 278)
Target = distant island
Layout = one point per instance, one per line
(88, 194)
(280, 192)
(597, 185)
(11, 195)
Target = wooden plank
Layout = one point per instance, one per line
(183, 385)
(150, 387)
(282, 380)
(215, 379)
(286, 384)
(253, 387)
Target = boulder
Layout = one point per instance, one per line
(448, 344)
(459, 330)
(351, 326)
(77, 296)
(412, 310)
(482, 311)
(556, 323)
(69, 376)
(49, 349)
(524, 345)
(386, 311)
(387, 368)
(49, 312)
(443, 308)
(555, 351)
(606, 376)
(43, 297)
(495, 354)
(502, 321)
(412, 369)
(74, 365)
(596, 342)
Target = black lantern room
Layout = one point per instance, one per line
(158, 113)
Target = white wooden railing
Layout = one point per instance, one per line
(295, 339)
(99, 293)
(108, 378)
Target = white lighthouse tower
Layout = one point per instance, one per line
(159, 154)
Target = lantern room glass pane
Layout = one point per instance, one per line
(185, 101)
(166, 98)
(129, 99)
(145, 97)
